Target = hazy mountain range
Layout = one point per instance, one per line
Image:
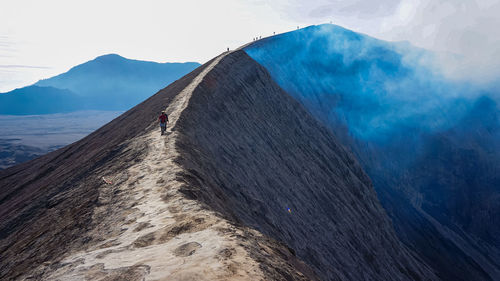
(318, 154)
(108, 82)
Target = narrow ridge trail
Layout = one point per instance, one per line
(164, 236)
(208, 200)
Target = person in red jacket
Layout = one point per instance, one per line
(163, 122)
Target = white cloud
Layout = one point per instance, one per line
(468, 28)
(465, 27)
(60, 33)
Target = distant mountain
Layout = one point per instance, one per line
(109, 82)
(39, 100)
(430, 145)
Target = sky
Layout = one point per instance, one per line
(42, 38)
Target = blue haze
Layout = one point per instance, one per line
(109, 82)
(433, 141)
(377, 88)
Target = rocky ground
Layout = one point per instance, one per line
(244, 186)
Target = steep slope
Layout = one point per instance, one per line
(208, 201)
(107, 207)
(250, 152)
(411, 130)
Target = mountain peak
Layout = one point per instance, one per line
(108, 82)
(225, 204)
(109, 57)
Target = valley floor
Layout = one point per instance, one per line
(25, 137)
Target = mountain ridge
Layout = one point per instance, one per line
(26, 100)
(419, 136)
(106, 60)
(121, 194)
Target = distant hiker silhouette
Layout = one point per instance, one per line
(228, 49)
(163, 122)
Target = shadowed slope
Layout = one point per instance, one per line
(108, 208)
(207, 203)
(430, 145)
(250, 152)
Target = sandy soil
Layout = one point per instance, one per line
(207, 201)
(166, 236)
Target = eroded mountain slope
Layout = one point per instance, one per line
(251, 152)
(47, 205)
(208, 201)
(108, 208)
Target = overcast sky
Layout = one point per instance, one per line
(42, 38)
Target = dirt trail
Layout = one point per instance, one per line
(165, 236)
(117, 204)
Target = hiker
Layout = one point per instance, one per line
(163, 122)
